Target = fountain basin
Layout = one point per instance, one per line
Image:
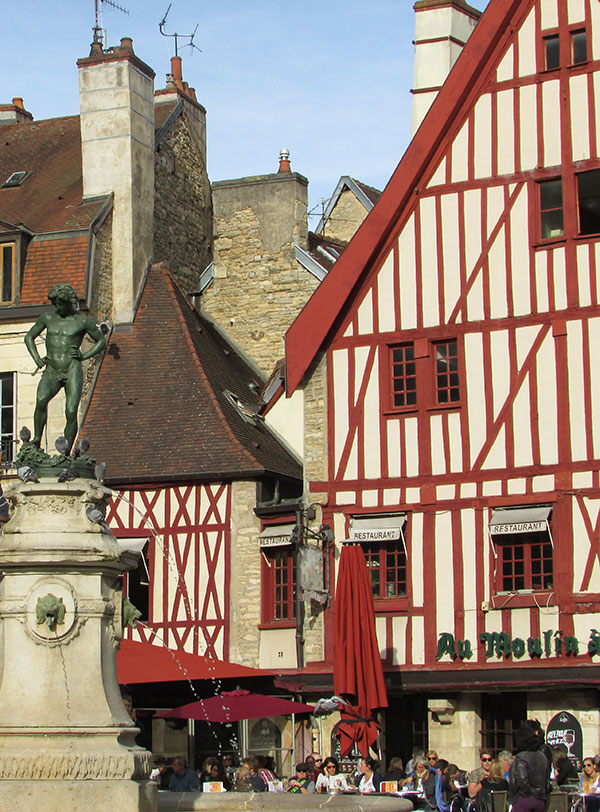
(274, 801)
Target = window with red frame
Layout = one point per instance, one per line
(404, 376)
(446, 372)
(280, 583)
(386, 562)
(525, 562)
(427, 378)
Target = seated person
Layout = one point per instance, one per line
(395, 771)
(265, 770)
(183, 778)
(425, 784)
(216, 772)
(590, 778)
(474, 778)
(331, 779)
(371, 779)
(494, 782)
(565, 771)
(301, 781)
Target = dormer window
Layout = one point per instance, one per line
(7, 273)
(16, 179)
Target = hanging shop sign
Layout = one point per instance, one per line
(498, 644)
(310, 571)
(564, 728)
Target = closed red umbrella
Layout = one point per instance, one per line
(357, 669)
(232, 706)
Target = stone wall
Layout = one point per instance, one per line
(258, 287)
(245, 576)
(101, 304)
(183, 206)
(315, 468)
(347, 215)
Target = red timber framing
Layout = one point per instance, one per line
(454, 252)
(188, 528)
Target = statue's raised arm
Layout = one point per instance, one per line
(65, 331)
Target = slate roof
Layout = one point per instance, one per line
(324, 251)
(159, 411)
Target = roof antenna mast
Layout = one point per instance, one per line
(177, 37)
(98, 29)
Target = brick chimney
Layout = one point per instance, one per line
(177, 90)
(15, 112)
(117, 138)
(442, 28)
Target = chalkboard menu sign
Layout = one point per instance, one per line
(565, 729)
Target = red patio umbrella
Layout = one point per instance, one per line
(143, 662)
(357, 670)
(232, 706)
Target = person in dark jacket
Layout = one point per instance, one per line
(564, 769)
(528, 781)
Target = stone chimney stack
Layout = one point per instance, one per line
(15, 112)
(177, 90)
(116, 92)
(442, 28)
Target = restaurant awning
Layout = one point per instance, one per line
(143, 662)
(276, 535)
(232, 706)
(530, 519)
(377, 528)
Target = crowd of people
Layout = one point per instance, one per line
(431, 782)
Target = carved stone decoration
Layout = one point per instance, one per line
(74, 766)
(51, 594)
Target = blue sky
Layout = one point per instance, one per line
(328, 80)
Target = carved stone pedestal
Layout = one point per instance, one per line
(66, 740)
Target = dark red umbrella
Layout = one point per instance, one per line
(143, 662)
(231, 706)
(357, 670)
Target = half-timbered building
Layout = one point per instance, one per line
(450, 369)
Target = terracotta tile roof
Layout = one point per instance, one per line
(50, 198)
(54, 261)
(159, 411)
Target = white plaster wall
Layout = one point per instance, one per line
(117, 133)
(286, 418)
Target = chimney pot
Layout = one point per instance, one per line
(284, 161)
(18, 102)
(127, 44)
(176, 68)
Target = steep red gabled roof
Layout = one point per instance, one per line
(160, 408)
(325, 307)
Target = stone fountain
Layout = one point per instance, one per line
(66, 740)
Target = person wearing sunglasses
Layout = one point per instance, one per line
(331, 779)
(590, 778)
(474, 779)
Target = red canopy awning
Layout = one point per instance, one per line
(232, 706)
(357, 669)
(143, 662)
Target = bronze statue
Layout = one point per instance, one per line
(65, 330)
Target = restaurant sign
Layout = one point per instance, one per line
(498, 644)
(564, 728)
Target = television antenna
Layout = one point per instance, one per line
(98, 5)
(190, 44)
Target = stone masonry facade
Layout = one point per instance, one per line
(182, 207)
(245, 603)
(258, 287)
(347, 215)
(315, 468)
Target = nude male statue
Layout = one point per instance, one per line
(65, 330)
